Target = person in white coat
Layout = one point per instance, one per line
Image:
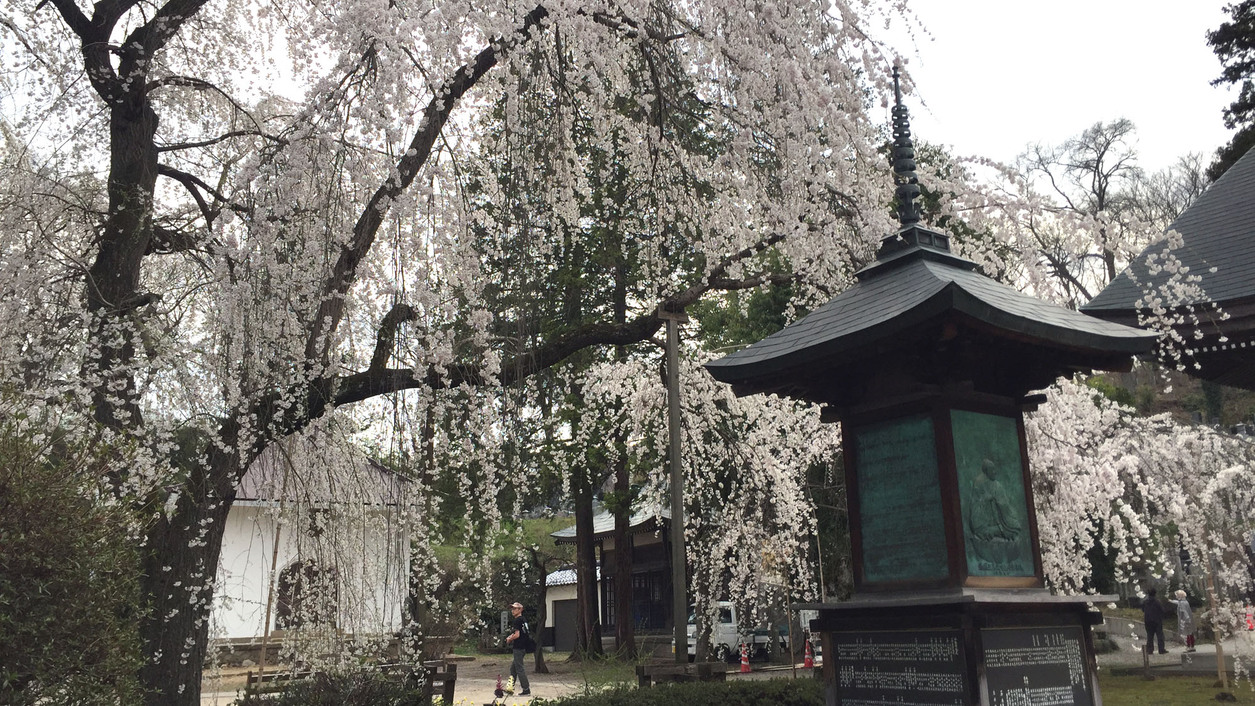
(1185, 620)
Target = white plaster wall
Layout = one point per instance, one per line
(243, 572)
(371, 559)
(559, 593)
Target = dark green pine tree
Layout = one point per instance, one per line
(557, 275)
(1234, 43)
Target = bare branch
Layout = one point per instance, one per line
(73, 17)
(17, 32)
(629, 27)
(148, 38)
(374, 382)
(201, 84)
(190, 183)
(750, 282)
(167, 241)
(692, 294)
(387, 335)
(177, 146)
(377, 380)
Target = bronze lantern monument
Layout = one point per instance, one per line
(928, 365)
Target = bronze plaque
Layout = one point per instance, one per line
(899, 499)
(996, 532)
(907, 667)
(1035, 667)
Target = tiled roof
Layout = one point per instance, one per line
(280, 475)
(603, 524)
(565, 577)
(1217, 230)
(911, 289)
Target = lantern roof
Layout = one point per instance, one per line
(922, 315)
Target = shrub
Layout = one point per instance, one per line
(773, 692)
(69, 586)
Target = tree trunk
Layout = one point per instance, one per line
(541, 614)
(418, 610)
(624, 628)
(588, 638)
(113, 293)
(1217, 628)
(179, 564)
(624, 620)
(702, 627)
(418, 601)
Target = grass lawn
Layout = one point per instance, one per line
(1168, 691)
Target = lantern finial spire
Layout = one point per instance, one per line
(904, 158)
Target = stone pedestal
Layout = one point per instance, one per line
(960, 648)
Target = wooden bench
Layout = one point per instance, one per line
(432, 674)
(649, 674)
(277, 676)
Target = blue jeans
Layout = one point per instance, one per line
(518, 672)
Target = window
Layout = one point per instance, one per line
(307, 597)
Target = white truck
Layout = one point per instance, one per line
(726, 639)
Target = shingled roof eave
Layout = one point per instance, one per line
(1217, 230)
(950, 298)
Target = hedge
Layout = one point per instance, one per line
(774, 692)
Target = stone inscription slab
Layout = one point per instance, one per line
(996, 532)
(882, 668)
(899, 494)
(1035, 667)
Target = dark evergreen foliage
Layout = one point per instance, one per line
(1234, 43)
(69, 581)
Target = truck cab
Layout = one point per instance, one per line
(726, 638)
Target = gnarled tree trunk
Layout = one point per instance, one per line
(180, 560)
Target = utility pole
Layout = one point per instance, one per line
(679, 579)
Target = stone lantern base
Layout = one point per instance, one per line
(963, 647)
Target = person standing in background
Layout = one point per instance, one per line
(1153, 615)
(1185, 620)
(521, 641)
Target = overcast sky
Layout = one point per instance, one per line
(995, 75)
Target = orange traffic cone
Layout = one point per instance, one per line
(745, 658)
(809, 662)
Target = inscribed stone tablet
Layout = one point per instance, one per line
(904, 537)
(908, 667)
(1035, 666)
(991, 491)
